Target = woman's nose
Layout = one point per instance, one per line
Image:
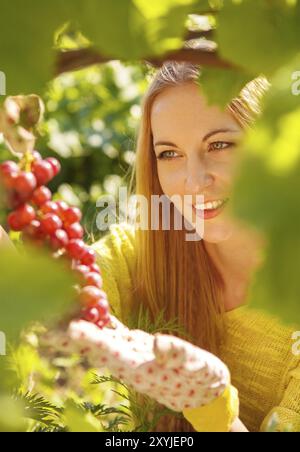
(197, 178)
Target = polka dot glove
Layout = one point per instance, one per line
(172, 371)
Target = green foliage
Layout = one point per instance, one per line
(41, 411)
(132, 29)
(44, 416)
(27, 292)
(271, 158)
(143, 413)
(79, 421)
(140, 319)
(222, 85)
(27, 41)
(64, 397)
(91, 126)
(29, 295)
(258, 35)
(91, 118)
(11, 414)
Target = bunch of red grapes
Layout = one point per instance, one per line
(54, 224)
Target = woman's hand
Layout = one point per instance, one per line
(174, 372)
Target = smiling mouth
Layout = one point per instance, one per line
(210, 209)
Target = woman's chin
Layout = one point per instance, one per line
(216, 233)
(215, 230)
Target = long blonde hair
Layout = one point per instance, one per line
(171, 273)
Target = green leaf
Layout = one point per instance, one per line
(220, 86)
(26, 43)
(270, 202)
(32, 288)
(276, 287)
(78, 420)
(267, 194)
(258, 35)
(128, 29)
(11, 415)
(132, 29)
(39, 409)
(283, 97)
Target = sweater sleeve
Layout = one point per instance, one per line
(286, 416)
(115, 256)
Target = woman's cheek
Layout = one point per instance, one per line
(171, 181)
(225, 169)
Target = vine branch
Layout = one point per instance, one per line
(71, 60)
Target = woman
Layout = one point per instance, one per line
(200, 282)
(186, 147)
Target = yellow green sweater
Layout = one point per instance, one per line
(257, 349)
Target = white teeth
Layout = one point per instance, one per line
(209, 205)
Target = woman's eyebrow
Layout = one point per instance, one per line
(214, 132)
(165, 143)
(207, 136)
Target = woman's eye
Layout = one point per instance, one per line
(166, 155)
(219, 145)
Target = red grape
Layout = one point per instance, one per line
(74, 231)
(56, 167)
(43, 171)
(41, 195)
(59, 239)
(102, 306)
(95, 268)
(76, 248)
(8, 180)
(72, 215)
(93, 279)
(21, 217)
(50, 207)
(14, 200)
(14, 222)
(62, 207)
(50, 223)
(89, 257)
(25, 183)
(91, 315)
(9, 167)
(26, 214)
(81, 271)
(57, 224)
(90, 296)
(34, 230)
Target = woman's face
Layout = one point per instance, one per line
(196, 151)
